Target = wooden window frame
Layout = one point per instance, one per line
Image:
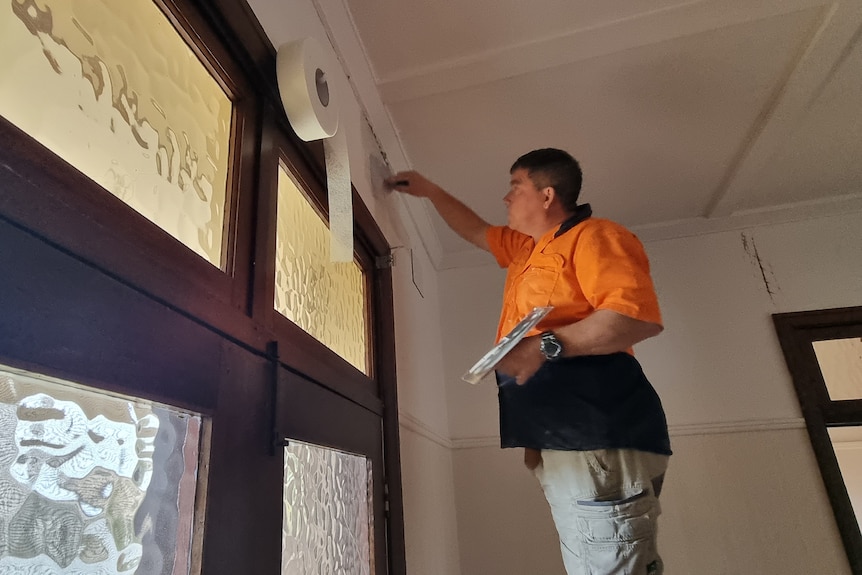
(796, 332)
(116, 238)
(308, 355)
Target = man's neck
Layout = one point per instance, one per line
(582, 212)
(551, 222)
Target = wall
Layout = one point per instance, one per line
(743, 493)
(430, 526)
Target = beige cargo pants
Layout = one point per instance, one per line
(605, 506)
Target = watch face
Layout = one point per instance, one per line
(550, 346)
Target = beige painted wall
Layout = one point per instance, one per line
(429, 506)
(503, 520)
(748, 502)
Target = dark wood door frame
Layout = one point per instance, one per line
(796, 332)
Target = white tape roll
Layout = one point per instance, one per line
(307, 94)
(309, 99)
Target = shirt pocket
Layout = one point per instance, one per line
(535, 286)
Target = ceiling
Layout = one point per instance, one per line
(687, 117)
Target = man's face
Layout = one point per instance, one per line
(525, 203)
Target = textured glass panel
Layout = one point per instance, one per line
(113, 89)
(327, 519)
(847, 444)
(841, 365)
(93, 483)
(326, 299)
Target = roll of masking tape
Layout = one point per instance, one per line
(307, 94)
(310, 101)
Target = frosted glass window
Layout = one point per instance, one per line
(114, 90)
(326, 299)
(847, 444)
(327, 523)
(841, 365)
(93, 483)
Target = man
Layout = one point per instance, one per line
(571, 393)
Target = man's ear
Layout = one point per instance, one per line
(550, 193)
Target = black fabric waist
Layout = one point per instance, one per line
(583, 403)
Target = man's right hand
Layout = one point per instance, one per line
(412, 183)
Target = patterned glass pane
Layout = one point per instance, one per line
(324, 298)
(841, 365)
(327, 524)
(114, 90)
(847, 444)
(93, 483)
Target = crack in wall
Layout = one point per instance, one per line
(750, 247)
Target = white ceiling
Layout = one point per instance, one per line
(687, 117)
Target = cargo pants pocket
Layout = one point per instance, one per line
(618, 534)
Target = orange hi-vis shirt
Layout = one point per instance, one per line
(596, 264)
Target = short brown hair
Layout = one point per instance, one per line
(550, 167)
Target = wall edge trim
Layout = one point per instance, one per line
(745, 426)
(417, 426)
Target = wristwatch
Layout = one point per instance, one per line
(550, 346)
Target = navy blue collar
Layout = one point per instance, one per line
(582, 212)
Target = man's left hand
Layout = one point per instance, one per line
(523, 361)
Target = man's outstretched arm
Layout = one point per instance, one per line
(463, 221)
